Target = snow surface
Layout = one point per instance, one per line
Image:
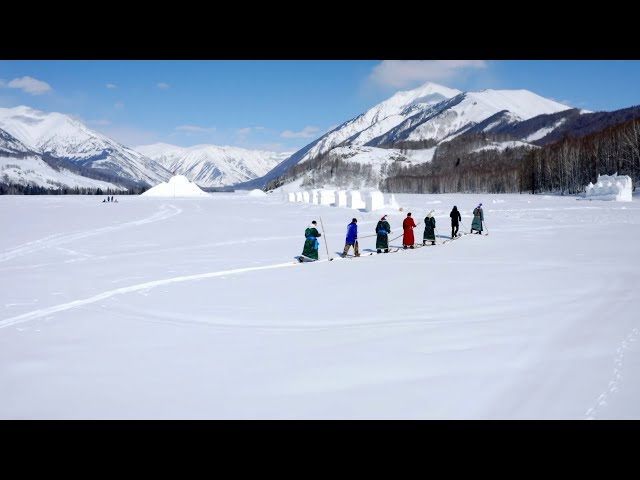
(543, 132)
(256, 193)
(194, 308)
(420, 156)
(177, 186)
(504, 145)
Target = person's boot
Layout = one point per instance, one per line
(379, 251)
(411, 246)
(433, 243)
(386, 250)
(404, 246)
(424, 242)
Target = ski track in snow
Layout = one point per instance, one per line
(616, 378)
(166, 211)
(142, 288)
(134, 288)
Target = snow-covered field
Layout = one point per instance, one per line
(194, 308)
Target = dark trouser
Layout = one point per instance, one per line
(454, 230)
(355, 249)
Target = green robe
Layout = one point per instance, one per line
(309, 249)
(478, 218)
(429, 229)
(383, 238)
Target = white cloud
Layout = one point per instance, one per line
(401, 73)
(111, 85)
(29, 85)
(194, 129)
(119, 106)
(163, 85)
(306, 132)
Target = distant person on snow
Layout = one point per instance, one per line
(352, 238)
(429, 229)
(455, 221)
(311, 242)
(104, 200)
(408, 225)
(383, 229)
(478, 218)
(116, 200)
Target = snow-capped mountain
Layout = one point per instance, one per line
(21, 166)
(466, 110)
(212, 165)
(371, 124)
(422, 118)
(64, 138)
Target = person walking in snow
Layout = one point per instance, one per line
(352, 238)
(408, 225)
(455, 221)
(429, 229)
(383, 229)
(478, 218)
(311, 242)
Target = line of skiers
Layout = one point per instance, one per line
(110, 199)
(383, 230)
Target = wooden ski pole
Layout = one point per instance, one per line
(326, 244)
(485, 227)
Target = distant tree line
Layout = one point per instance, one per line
(8, 188)
(564, 167)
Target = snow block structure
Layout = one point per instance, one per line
(354, 200)
(616, 187)
(177, 186)
(314, 197)
(374, 201)
(392, 203)
(298, 196)
(305, 197)
(291, 196)
(326, 197)
(340, 198)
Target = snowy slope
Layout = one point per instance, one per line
(212, 165)
(194, 308)
(468, 109)
(19, 165)
(504, 145)
(68, 139)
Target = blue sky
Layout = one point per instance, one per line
(280, 105)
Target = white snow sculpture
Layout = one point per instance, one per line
(340, 199)
(374, 201)
(354, 200)
(610, 187)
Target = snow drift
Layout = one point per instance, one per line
(616, 187)
(178, 186)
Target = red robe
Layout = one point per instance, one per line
(407, 226)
